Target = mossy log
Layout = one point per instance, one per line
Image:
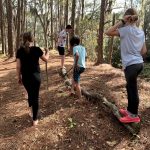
(133, 128)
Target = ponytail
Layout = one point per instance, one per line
(26, 46)
(27, 38)
(134, 18)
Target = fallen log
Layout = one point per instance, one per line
(133, 128)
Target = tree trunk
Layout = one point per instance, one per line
(10, 28)
(66, 20)
(58, 16)
(101, 30)
(73, 15)
(18, 25)
(82, 15)
(52, 24)
(2, 27)
(23, 14)
(78, 20)
(111, 43)
(61, 18)
(66, 13)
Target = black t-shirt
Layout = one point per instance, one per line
(29, 60)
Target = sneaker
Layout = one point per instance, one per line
(123, 112)
(129, 119)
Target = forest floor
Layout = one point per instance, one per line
(65, 124)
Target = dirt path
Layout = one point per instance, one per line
(64, 124)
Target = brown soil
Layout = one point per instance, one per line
(64, 124)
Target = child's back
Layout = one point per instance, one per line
(82, 55)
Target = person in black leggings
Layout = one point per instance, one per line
(28, 71)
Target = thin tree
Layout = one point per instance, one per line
(52, 24)
(111, 42)
(82, 15)
(18, 24)
(66, 12)
(2, 26)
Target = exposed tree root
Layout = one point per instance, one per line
(133, 128)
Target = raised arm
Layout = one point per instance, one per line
(112, 31)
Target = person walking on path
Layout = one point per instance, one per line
(28, 71)
(61, 43)
(79, 54)
(133, 47)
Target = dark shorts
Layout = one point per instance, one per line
(61, 50)
(76, 74)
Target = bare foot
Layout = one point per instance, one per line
(80, 101)
(35, 122)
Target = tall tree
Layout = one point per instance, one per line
(52, 23)
(2, 26)
(73, 15)
(66, 12)
(10, 28)
(101, 30)
(82, 15)
(18, 24)
(23, 15)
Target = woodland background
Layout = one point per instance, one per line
(89, 18)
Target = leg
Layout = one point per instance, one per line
(72, 86)
(76, 77)
(61, 51)
(27, 85)
(131, 74)
(62, 61)
(78, 88)
(35, 95)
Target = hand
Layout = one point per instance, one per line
(76, 68)
(46, 50)
(126, 18)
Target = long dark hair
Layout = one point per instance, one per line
(27, 38)
(75, 40)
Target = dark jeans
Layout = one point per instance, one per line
(131, 74)
(32, 85)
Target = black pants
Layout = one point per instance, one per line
(32, 85)
(131, 74)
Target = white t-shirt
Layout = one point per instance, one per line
(62, 38)
(132, 40)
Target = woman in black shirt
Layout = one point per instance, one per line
(28, 71)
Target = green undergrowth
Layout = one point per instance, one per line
(146, 72)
